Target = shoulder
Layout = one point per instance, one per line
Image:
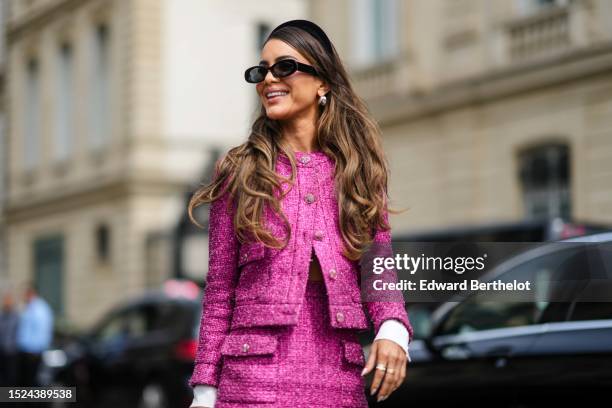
(42, 306)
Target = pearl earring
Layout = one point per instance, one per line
(322, 100)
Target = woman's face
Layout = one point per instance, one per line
(302, 88)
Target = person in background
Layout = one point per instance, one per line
(9, 318)
(34, 335)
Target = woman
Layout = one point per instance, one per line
(293, 210)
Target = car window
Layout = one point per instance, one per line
(591, 311)
(110, 329)
(153, 317)
(163, 316)
(595, 302)
(137, 323)
(129, 323)
(555, 278)
(474, 315)
(420, 319)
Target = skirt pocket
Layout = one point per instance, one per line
(353, 353)
(250, 367)
(353, 361)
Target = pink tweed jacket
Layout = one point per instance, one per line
(250, 285)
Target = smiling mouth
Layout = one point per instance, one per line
(275, 95)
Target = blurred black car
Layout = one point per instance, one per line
(479, 353)
(140, 354)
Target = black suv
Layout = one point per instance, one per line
(140, 354)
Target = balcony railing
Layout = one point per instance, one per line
(394, 76)
(546, 32)
(551, 30)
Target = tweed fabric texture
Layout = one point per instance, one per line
(309, 365)
(251, 286)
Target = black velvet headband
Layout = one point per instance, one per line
(311, 28)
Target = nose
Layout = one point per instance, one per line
(269, 77)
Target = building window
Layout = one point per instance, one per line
(263, 29)
(375, 30)
(64, 102)
(527, 7)
(49, 271)
(32, 116)
(103, 243)
(545, 180)
(99, 120)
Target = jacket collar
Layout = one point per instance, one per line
(306, 159)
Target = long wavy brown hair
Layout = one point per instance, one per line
(345, 131)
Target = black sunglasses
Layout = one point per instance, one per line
(281, 69)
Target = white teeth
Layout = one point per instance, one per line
(277, 93)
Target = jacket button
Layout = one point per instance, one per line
(340, 317)
(245, 347)
(310, 198)
(332, 273)
(305, 159)
(244, 257)
(318, 235)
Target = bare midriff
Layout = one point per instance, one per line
(314, 271)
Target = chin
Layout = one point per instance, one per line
(276, 114)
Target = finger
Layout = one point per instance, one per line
(399, 362)
(379, 375)
(403, 373)
(371, 360)
(391, 374)
(400, 370)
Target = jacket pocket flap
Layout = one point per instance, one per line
(248, 344)
(353, 352)
(250, 251)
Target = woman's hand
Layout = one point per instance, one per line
(391, 360)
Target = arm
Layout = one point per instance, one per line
(391, 310)
(218, 299)
(393, 307)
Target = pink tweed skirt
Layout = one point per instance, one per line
(309, 365)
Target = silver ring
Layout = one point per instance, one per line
(381, 367)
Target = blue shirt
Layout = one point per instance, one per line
(35, 330)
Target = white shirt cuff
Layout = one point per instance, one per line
(204, 396)
(394, 330)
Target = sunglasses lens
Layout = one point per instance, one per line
(255, 74)
(284, 68)
(281, 69)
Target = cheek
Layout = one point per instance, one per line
(303, 91)
(302, 97)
